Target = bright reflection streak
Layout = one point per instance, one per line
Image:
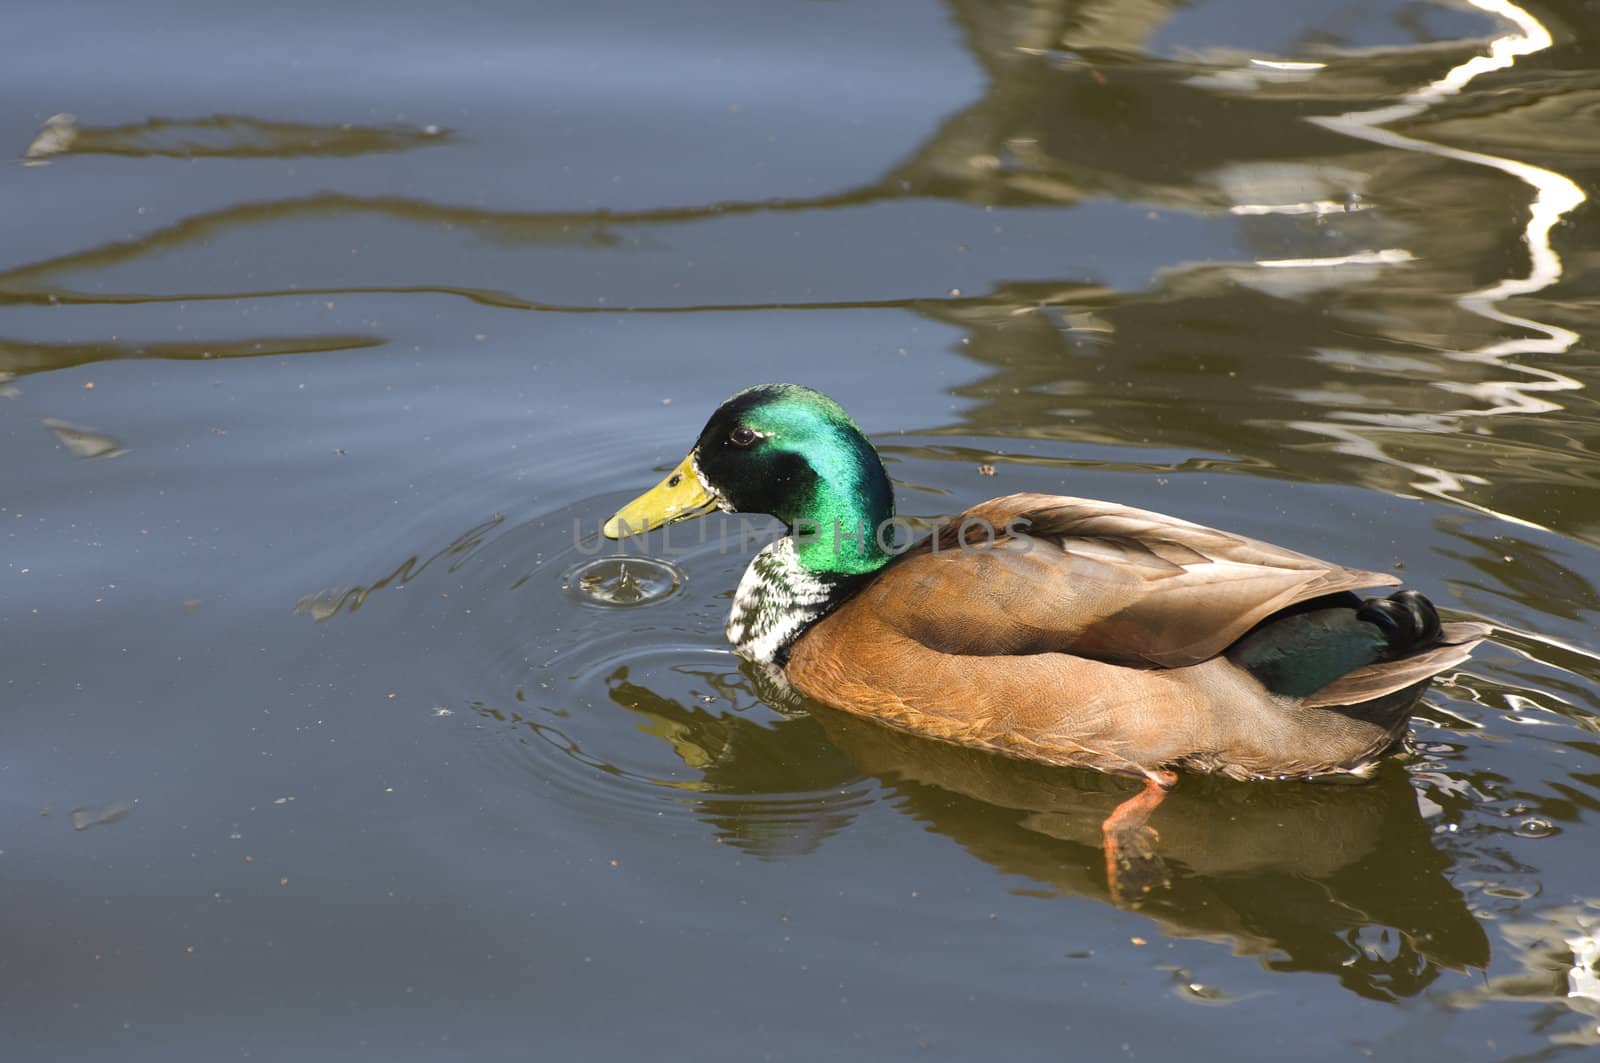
(1318, 207)
(1554, 196)
(1387, 257)
(1540, 639)
(1286, 64)
(1564, 940)
(1581, 979)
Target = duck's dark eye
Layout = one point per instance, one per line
(743, 436)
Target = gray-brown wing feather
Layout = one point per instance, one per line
(1099, 580)
(1385, 677)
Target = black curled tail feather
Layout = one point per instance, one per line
(1408, 621)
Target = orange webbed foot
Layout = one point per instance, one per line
(1133, 869)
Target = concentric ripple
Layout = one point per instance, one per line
(618, 713)
(622, 581)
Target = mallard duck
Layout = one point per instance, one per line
(1056, 629)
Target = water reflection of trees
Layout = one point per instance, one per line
(230, 136)
(1348, 368)
(24, 356)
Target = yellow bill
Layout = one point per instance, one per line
(678, 497)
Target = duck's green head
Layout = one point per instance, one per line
(791, 452)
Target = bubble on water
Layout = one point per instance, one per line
(624, 581)
(1535, 827)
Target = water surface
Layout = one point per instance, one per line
(330, 336)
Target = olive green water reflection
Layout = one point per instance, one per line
(1297, 871)
(327, 338)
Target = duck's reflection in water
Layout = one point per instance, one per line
(1338, 878)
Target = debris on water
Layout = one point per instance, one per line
(1204, 994)
(96, 815)
(55, 137)
(85, 442)
(1188, 988)
(1083, 321)
(624, 581)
